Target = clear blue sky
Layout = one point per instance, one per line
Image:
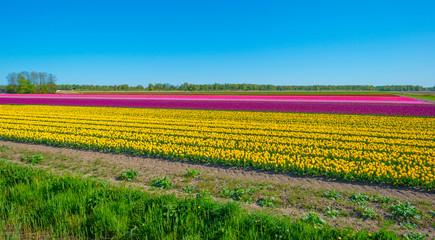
(263, 42)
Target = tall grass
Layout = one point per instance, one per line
(33, 201)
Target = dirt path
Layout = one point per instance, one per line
(295, 195)
(161, 167)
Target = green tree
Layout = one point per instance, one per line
(25, 86)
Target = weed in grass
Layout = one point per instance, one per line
(313, 219)
(386, 224)
(266, 201)
(331, 212)
(204, 194)
(404, 211)
(4, 148)
(382, 199)
(408, 226)
(188, 189)
(162, 183)
(361, 199)
(129, 175)
(433, 213)
(415, 236)
(332, 195)
(266, 186)
(192, 173)
(367, 212)
(238, 193)
(33, 159)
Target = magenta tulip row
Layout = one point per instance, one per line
(367, 105)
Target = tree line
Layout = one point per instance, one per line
(31, 82)
(41, 82)
(240, 87)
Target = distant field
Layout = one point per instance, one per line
(262, 93)
(343, 104)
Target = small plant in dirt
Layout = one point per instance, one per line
(404, 211)
(192, 173)
(129, 175)
(382, 199)
(331, 212)
(415, 236)
(238, 193)
(367, 212)
(188, 189)
(313, 219)
(33, 159)
(332, 195)
(361, 199)
(4, 148)
(408, 225)
(162, 183)
(266, 201)
(204, 194)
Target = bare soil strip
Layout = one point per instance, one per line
(157, 167)
(297, 194)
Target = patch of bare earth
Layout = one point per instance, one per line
(294, 195)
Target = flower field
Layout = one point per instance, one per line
(374, 104)
(391, 149)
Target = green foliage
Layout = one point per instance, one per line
(367, 212)
(34, 82)
(408, 226)
(241, 87)
(238, 193)
(162, 183)
(204, 194)
(33, 159)
(361, 199)
(331, 212)
(332, 195)
(266, 201)
(188, 189)
(382, 199)
(129, 175)
(313, 219)
(404, 211)
(25, 86)
(4, 148)
(415, 236)
(64, 207)
(192, 173)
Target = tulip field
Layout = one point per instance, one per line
(376, 104)
(394, 147)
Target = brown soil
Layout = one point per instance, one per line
(219, 175)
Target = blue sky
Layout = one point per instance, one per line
(261, 42)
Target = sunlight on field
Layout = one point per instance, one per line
(393, 149)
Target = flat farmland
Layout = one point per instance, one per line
(377, 141)
(376, 104)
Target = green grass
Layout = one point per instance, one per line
(422, 96)
(36, 202)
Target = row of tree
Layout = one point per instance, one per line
(241, 87)
(41, 82)
(31, 82)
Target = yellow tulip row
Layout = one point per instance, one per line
(399, 150)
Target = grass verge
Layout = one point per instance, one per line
(34, 202)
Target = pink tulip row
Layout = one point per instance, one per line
(400, 106)
(393, 98)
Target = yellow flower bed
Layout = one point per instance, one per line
(393, 149)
